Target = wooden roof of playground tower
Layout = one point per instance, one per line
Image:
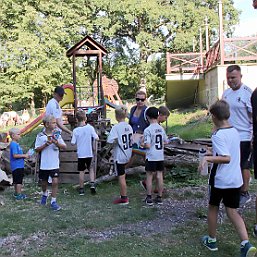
(93, 48)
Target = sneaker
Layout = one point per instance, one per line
(121, 201)
(255, 231)
(43, 200)
(55, 206)
(158, 200)
(93, 189)
(210, 244)
(248, 250)
(149, 201)
(21, 197)
(244, 199)
(81, 191)
(143, 184)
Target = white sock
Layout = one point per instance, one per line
(243, 243)
(53, 200)
(212, 239)
(45, 193)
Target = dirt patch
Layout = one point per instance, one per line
(182, 205)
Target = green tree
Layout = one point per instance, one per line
(35, 35)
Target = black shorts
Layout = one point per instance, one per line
(255, 157)
(246, 155)
(229, 196)
(17, 176)
(84, 163)
(44, 174)
(119, 168)
(152, 166)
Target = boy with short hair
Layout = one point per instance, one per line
(154, 140)
(120, 136)
(84, 136)
(164, 114)
(17, 163)
(48, 145)
(225, 178)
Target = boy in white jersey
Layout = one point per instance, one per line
(48, 146)
(120, 136)
(154, 140)
(225, 178)
(164, 114)
(84, 136)
(238, 97)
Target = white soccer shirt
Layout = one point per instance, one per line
(120, 135)
(53, 108)
(155, 135)
(226, 142)
(240, 110)
(82, 137)
(50, 155)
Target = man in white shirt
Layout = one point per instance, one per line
(53, 108)
(238, 97)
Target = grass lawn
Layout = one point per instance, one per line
(92, 226)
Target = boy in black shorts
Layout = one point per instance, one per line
(48, 146)
(17, 163)
(154, 140)
(225, 178)
(84, 136)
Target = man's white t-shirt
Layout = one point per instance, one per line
(50, 155)
(226, 142)
(82, 137)
(53, 108)
(155, 135)
(240, 110)
(121, 135)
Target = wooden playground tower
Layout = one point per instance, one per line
(87, 48)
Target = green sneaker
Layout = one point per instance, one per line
(247, 250)
(21, 197)
(210, 244)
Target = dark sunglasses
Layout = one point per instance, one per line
(140, 99)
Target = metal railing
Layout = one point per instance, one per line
(243, 49)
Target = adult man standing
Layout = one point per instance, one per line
(53, 108)
(239, 98)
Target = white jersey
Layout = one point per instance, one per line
(83, 138)
(226, 142)
(155, 136)
(53, 108)
(50, 155)
(240, 110)
(120, 136)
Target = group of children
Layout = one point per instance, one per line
(225, 177)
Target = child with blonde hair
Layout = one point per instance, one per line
(85, 137)
(17, 163)
(120, 137)
(48, 146)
